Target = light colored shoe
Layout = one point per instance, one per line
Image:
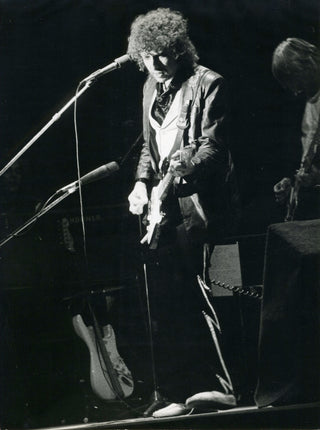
(211, 400)
(172, 410)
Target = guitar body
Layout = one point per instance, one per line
(154, 217)
(158, 195)
(99, 378)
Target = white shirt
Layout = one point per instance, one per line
(166, 132)
(310, 121)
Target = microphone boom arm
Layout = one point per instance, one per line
(36, 216)
(53, 120)
(100, 172)
(116, 64)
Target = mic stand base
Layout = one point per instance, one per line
(157, 402)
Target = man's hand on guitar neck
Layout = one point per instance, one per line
(138, 198)
(282, 188)
(180, 164)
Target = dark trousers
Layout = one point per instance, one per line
(184, 351)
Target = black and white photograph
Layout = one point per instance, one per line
(159, 214)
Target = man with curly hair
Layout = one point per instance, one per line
(186, 163)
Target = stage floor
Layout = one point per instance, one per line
(300, 416)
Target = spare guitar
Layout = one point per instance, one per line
(305, 167)
(157, 196)
(109, 376)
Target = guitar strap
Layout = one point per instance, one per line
(184, 117)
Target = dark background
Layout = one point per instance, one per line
(46, 48)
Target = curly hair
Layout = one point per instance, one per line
(163, 31)
(295, 59)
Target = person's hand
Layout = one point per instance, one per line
(180, 165)
(138, 198)
(282, 190)
(309, 179)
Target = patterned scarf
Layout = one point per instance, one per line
(163, 100)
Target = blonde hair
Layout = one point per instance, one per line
(295, 59)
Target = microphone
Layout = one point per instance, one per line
(116, 64)
(94, 175)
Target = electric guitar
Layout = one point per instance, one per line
(305, 167)
(109, 376)
(158, 194)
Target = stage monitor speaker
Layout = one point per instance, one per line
(289, 346)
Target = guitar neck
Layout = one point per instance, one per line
(185, 155)
(305, 166)
(165, 185)
(106, 359)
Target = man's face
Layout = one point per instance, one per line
(306, 84)
(162, 67)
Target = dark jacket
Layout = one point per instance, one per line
(208, 198)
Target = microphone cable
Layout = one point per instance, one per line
(133, 409)
(75, 125)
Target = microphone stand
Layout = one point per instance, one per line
(156, 399)
(48, 125)
(36, 216)
(117, 63)
(66, 191)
